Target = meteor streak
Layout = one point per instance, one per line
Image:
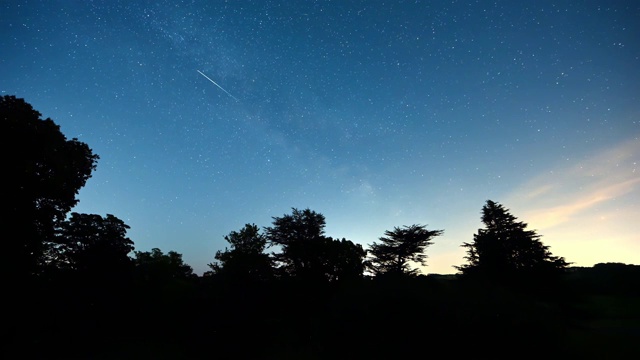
(216, 84)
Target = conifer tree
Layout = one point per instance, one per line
(506, 248)
(398, 248)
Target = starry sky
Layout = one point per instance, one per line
(208, 115)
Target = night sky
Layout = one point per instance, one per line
(208, 115)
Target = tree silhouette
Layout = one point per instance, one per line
(306, 253)
(44, 172)
(292, 233)
(246, 259)
(343, 259)
(400, 247)
(94, 246)
(506, 248)
(155, 267)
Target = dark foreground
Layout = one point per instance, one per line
(582, 316)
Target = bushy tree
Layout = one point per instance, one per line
(155, 267)
(94, 246)
(344, 259)
(44, 172)
(399, 248)
(294, 234)
(505, 248)
(306, 253)
(245, 260)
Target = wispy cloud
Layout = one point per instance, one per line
(546, 217)
(558, 196)
(588, 211)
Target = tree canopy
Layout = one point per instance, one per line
(294, 234)
(93, 245)
(306, 253)
(157, 267)
(45, 172)
(399, 247)
(506, 248)
(246, 259)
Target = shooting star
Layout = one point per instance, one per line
(216, 84)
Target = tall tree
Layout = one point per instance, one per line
(306, 253)
(246, 259)
(506, 248)
(399, 248)
(44, 172)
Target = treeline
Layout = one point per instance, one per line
(76, 287)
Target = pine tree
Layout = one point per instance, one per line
(506, 248)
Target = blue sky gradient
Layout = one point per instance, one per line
(375, 114)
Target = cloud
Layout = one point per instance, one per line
(587, 212)
(587, 199)
(602, 180)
